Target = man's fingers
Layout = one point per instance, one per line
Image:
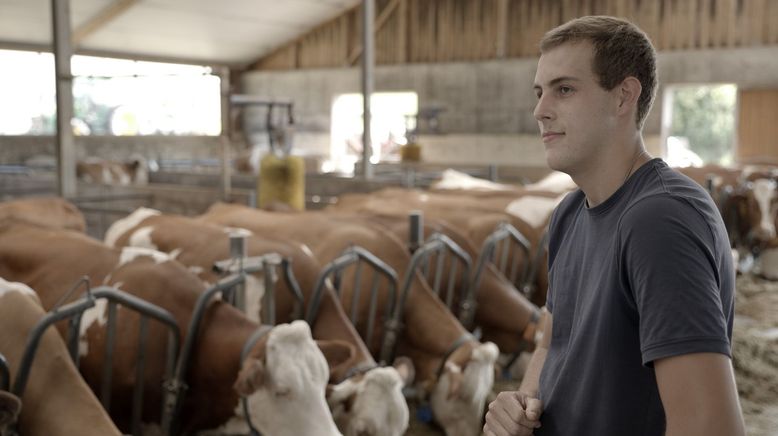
(534, 408)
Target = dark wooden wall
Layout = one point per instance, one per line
(413, 31)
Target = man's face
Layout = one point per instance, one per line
(575, 114)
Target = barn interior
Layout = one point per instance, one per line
(115, 105)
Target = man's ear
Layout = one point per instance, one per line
(629, 92)
(251, 377)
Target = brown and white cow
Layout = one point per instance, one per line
(51, 212)
(458, 391)
(473, 215)
(285, 372)
(97, 170)
(56, 399)
(751, 215)
(368, 403)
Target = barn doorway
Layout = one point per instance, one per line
(698, 124)
(390, 112)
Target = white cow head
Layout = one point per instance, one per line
(286, 389)
(459, 397)
(372, 403)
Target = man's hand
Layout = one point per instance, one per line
(513, 414)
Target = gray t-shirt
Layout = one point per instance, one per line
(645, 275)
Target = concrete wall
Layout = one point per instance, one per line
(17, 149)
(488, 117)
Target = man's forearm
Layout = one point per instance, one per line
(531, 381)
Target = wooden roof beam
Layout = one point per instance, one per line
(106, 15)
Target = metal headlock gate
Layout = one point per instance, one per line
(74, 311)
(440, 248)
(497, 249)
(530, 287)
(358, 256)
(268, 265)
(500, 249)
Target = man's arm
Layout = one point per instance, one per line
(531, 379)
(518, 413)
(699, 395)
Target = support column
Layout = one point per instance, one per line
(66, 156)
(226, 134)
(368, 64)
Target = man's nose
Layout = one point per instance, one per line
(542, 109)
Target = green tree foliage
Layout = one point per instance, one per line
(706, 116)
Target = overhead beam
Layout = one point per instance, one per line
(105, 16)
(47, 48)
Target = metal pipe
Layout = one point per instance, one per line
(226, 133)
(368, 63)
(110, 343)
(66, 156)
(140, 367)
(5, 374)
(416, 236)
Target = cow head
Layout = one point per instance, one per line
(750, 213)
(459, 396)
(285, 387)
(372, 403)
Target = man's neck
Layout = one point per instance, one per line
(608, 171)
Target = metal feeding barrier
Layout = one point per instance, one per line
(529, 288)
(448, 258)
(268, 264)
(74, 311)
(501, 248)
(357, 257)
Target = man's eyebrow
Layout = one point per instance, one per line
(557, 80)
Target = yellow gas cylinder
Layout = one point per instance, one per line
(281, 180)
(410, 152)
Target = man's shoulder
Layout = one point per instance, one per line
(667, 194)
(570, 205)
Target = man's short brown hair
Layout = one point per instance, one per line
(621, 50)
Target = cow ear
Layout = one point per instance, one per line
(337, 353)
(405, 368)
(10, 405)
(251, 377)
(341, 398)
(455, 376)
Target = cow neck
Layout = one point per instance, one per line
(434, 326)
(215, 358)
(333, 323)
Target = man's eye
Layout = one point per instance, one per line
(564, 90)
(538, 95)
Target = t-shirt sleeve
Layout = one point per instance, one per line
(668, 261)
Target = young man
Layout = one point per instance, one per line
(637, 340)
